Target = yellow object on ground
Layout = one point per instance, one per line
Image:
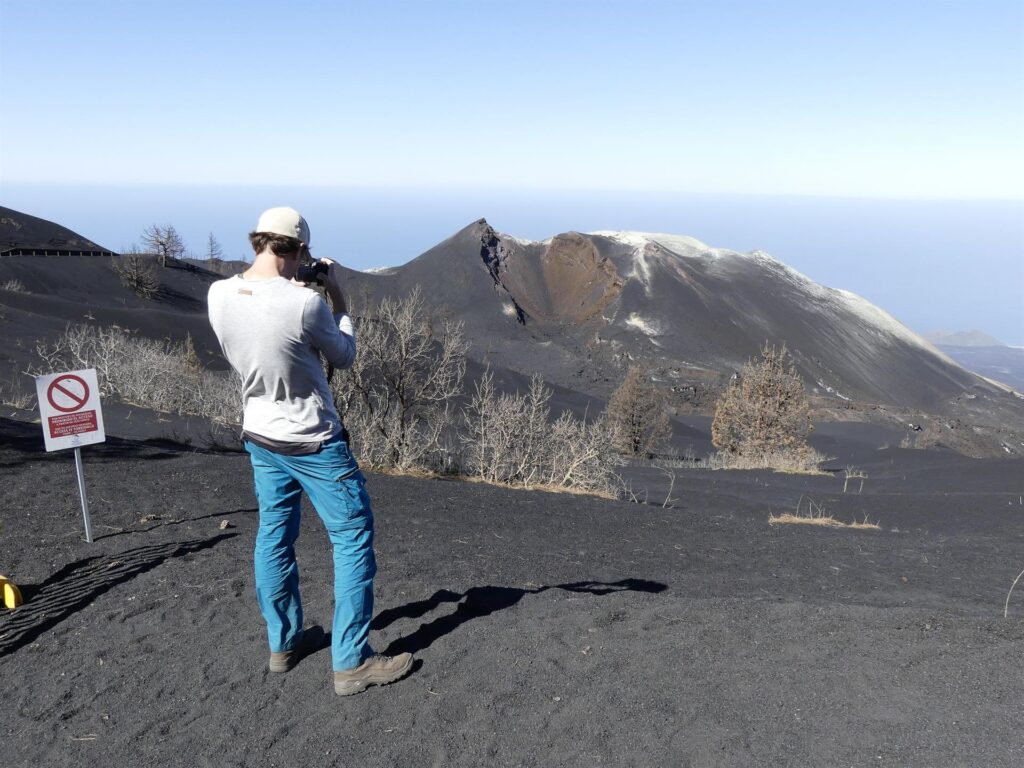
(12, 595)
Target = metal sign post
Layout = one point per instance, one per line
(81, 492)
(69, 409)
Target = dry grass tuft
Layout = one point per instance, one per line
(786, 463)
(547, 487)
(13, 395)
(826, 521)
(817, 515)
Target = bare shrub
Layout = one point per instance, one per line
(397, 403)
(505, 434)
(762, 420)
(636, 415)
(509, 439)
(396, 399)
(850, 473)
(14, 286)
(158, 375)
(137, 272)
(581, 457)
(671, 485)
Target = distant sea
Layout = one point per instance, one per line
(949, 265)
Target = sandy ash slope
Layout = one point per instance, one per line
(21, 231)
(550, 629)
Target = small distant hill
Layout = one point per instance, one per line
(21, 233)
(962, 339)
(984, 354)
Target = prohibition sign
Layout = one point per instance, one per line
(69, 388)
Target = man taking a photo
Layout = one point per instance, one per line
(272, 331)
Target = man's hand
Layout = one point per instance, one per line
(332, 283)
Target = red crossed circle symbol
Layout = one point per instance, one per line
(71, 388)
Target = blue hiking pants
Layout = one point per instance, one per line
(334, 484)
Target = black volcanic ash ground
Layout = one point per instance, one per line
(551, 629)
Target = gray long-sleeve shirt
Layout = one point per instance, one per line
(270, 332)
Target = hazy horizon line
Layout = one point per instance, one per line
(467, 188)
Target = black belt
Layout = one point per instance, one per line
(290, 448)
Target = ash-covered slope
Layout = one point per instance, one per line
(579, 307)
(715, 307)
(20, 230)
(54, 291)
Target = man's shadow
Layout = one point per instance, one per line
(476, 602)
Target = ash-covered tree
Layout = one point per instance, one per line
(636, 415)
(763, 418)
(164, 241)
(136, 271)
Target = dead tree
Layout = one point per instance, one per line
(164, 241)
(214, 252)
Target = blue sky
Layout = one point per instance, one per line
(877, 99)
(875, 146)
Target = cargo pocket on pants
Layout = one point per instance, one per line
(352, 488)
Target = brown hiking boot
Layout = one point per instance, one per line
(313, 639)
(376, 670)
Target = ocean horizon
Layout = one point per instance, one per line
(934, 264)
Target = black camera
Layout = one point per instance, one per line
(311, 273)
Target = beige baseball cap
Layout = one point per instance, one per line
(284, 221)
